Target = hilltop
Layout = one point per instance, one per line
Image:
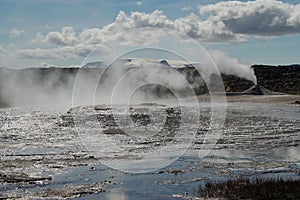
(283, 79)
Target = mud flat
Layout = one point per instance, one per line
(43, 155)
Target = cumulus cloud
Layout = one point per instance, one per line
(72, 45)
(140, 20)
(207, 31)
(16, 32)
(66, 52)
(92, 36)
(65, 37)
(258, 18)
(190, 25)
(228, 21)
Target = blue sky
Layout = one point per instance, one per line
(60, 33)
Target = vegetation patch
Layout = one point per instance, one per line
(258, 188)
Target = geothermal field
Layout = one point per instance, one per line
(149, 100)
(161, 143)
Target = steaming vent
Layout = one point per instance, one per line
(255, 90)
(260, 90)
(164, 62)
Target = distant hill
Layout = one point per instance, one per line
(280, 78)
(284, 79)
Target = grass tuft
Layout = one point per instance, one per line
(259, 188)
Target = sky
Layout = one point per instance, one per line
(40, 33)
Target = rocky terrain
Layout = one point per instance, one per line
(284, 79)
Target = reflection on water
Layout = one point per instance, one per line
(113, 195)
(258, 140)
(286, 153)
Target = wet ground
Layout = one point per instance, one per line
(60, 154)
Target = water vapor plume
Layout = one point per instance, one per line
(36, 87)
(232, 66)
(139, 83)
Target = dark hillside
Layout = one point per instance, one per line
(283, 79)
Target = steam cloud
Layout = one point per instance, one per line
(54, 86)
(140, 83)
(36, 87)
(232, 66)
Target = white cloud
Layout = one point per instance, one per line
(72, 45)
(140, 20)
(190, 25)
(258, 18)
(16, 32)
(186, 8)
(139, 3)
(65, 37)
(92, 36)
(207, 31)
(39, 37)
(66, 52)
(39, 53)
(226, 22)
(229, 21)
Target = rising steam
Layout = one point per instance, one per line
(36, 87)
(54, 86)
(232, 66)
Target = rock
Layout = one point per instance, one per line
(21, 177)
(164, 62)
(114, 131)
(72, 191)
(284, 79)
